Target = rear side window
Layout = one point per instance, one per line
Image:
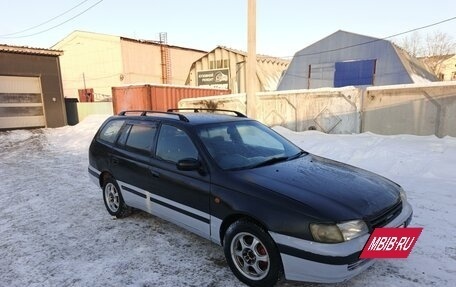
(111, 130)
(141, 138)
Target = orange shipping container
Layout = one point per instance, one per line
(157, 97)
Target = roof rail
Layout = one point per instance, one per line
(197, 110)
(144, 113)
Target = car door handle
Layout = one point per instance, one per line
(154, 173)
(115, 160)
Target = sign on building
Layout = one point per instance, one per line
(214, 78)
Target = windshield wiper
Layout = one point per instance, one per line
(270, 161)
(298, 155)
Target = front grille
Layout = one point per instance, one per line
(385, 216)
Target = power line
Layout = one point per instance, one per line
(373, 41)
(328, 78)
(60, 24)
(45, 22)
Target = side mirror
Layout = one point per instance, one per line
(188, 164)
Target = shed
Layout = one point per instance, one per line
(30, 88)
(225, 68)
(348, 59)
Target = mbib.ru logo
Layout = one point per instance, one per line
(391, 243)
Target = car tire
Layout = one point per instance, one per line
(113, 199)
(252, 254)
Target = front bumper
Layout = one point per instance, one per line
(311, 261)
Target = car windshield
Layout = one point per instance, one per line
(246, 144)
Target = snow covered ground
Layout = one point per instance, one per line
(55, 231)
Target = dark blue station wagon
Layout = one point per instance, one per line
(276, 209)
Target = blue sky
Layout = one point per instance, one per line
(283, 26)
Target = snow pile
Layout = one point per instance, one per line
(75, 138)
(55, 231)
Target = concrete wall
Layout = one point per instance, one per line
(327, 110)
(95, 108)
(411, 109)
(401, 109)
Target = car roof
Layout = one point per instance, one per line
(196, 117)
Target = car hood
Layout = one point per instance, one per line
(333, 190)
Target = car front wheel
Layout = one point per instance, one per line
(252, 254)
(113, 199)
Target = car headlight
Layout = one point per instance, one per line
(403, 195)
(336, 233)
(327, 233)
(353, 229)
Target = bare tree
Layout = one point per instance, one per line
(439, 44)
(433, 50)
(412, 44)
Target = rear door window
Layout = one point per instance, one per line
(139, 138)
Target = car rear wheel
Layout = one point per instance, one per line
(113, 200)
(252, 254)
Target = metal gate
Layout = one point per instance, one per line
(21, 102)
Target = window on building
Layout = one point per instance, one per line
(219, 64)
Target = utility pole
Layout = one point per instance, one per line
(251, 77)
(85, 88)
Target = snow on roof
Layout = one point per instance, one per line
(29, 50)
